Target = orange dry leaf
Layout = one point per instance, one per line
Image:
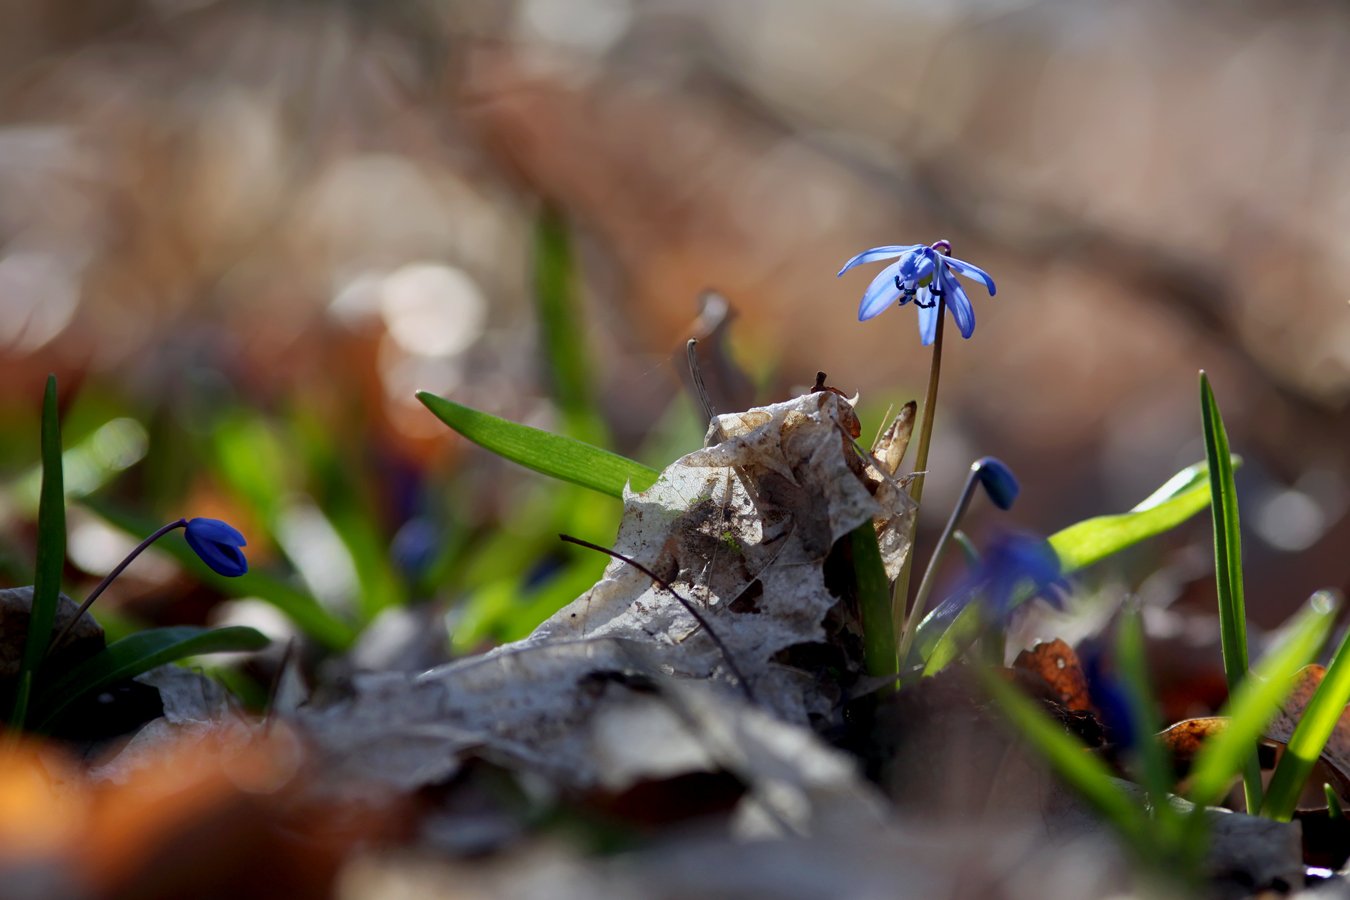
(1057, 664)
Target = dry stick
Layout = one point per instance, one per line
(697, 375)
(688, 606)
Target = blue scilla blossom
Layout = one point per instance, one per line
(922, 273)
(217, 543)
(1014, 568)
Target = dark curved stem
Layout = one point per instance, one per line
(108, 579)
(687, 604)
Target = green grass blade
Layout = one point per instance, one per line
(1334, 810)
(140, 653)
(51, 549)
(1153, 768)
(1310, 736)
(564, 342)
(874, 601)
(307, 613)
(1227, 562)
(1074, 764)
(1092, 540)
(550, 454)
(1252, 707)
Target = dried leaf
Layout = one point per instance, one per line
(1184, 739)
(741, 529)
(891, 446)
(1057, 664)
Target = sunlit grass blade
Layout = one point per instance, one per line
(1310, 736)
(1252, 707)
(137, 654)
(51, 552)
(1228, 564)
(1072, 762)
(874, 601)
(1092, 540)
(564, 341)
(307, 613)
(550, 454)
(1153, 768)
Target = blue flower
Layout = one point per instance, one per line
(1014, 568)
(217, 543)
(922, 273)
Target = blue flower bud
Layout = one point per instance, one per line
(217, 543)
(998, 481)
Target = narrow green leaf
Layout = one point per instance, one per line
(1228, 564)
(1154, 770)
(302, 609)
(140, 653)
(1334, 810)
(550, 454)
(1092, 540)
(1310, 737)
(564, 342)
(1074, 764)
(1252, 707)
(51, 547)
(874, 602)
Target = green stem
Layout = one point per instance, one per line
(930, 574)
(901, 592)
(108, 579)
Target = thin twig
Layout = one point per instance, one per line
(696, 374)
(688, 606)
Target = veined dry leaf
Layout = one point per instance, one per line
(740, 528)
(1057, 663)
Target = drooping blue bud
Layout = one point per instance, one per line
(217, 543)
(998, 480)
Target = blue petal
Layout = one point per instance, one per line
(877, 253)
(216, 530)
(972, 272)
(928, 318)
(958, 303)
(881, 293)
(917, 267)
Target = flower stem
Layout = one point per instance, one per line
(108, 579)
(930, 574)
(901, 591)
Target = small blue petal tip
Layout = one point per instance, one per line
(217, 543)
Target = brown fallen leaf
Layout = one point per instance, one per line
(1057, 664)
(1184, 739)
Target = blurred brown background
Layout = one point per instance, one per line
(331, 203)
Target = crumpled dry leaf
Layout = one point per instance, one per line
(1058, 666)
(741, 529)
(1184, 739)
